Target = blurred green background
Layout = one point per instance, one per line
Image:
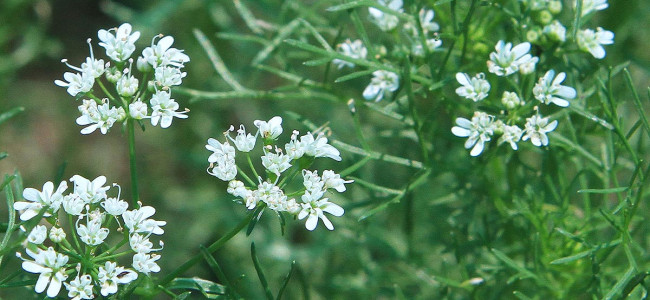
(359, 259)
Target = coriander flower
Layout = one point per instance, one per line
(276, 162)
(313, 210)
(77, 83)
(478, 131)
(146, 263)
(50, 265)
(294, 148)
(506, 59)
(271, 129)
(536, 129)
(334, 181)
(90, 191)
(37, 235)
(110, 275)
(73, 204)
(475, 89)
(80, 288)
(319, 147)
(243, 141)
(98, 116)
(426, 20)
(137, 220)
(167, 76)
(138, 110)
(383, 82)
(120, 46)
(555, 31)
(511, 100)
(57, 235)
(549, 89)
(511, 135)
(384, 20)
(140, 243)
(238, 189)
(351, 49)
(589, 6)
(115, 206)
(161, 54)
(164, 109)
(127, 85)
(592, 41)
(528, 66)
(36, 200)
(92, 233)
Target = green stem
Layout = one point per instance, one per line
(212, 248)
(134, 174)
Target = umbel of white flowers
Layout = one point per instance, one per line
(88, 265)
(125, 94)
(280, 166)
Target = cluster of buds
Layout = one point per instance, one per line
(280, 167)
(127, 95)
(81, 258)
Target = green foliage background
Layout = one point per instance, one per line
(514, 219)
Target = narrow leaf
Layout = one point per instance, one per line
(637, 101)
(258, 214)
(511, 263)
(260, 273)
(248, 17)
(209, 289)
(353, 75)
(10, 114)
(604, 191)
(620, 285)
(216, 269)
(216, 60)
(283, 33)
(285, 281)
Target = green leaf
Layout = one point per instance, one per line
(183, 296)
(209, 289)
(285, 281)
(10, 114)
(620, 285)
(637, 101)
(3, 155)
(257, 215)
(353, 75)
(283, 223)
(604, 191)
(260, 273)
(9, 193)
(512, 264)
(216, 269)
(248, 17)
(216, 60)
(283, 33)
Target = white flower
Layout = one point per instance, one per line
(276, 162)
(92, 234)
(426, 20)
(383, 82)
(219, 150)
(161, 54)
(315, 209)
(80, 288)
(76, 82)
(319, 147)
(294, 148)
(536, 129)
(351, 49)
(506, 59)
(555, 31)
(383, 20)
(138, 110)
(97, 116)
(528, 66)
(37, 235)
(271, 129)
(57, 234)
(127, 85)
(432, 44)
(167, 76)
(244, 142)
(592, 42)
(93, 67)
(164, 109)
(478, 131)
(50, 265)
(334, 181)
(140, 243)
(73, 204)
(237, 189)
(475, 89)
(110, 275)
(549, 89)
(272, 195)
(511, 100)
(137, 220)
(511, 135)
(146, 263)
(251, 199)
(115, 206)
(37, 200)
(120, 46)
(90, 191)
(312, 182)
(589, 6)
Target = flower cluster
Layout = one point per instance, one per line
(545, 29)
(422, 35)
(127, 96)
(81, 259)
(280, 167)
(504, 62)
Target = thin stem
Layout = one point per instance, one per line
(132, 164)
(212, 248)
